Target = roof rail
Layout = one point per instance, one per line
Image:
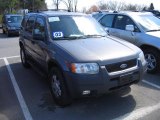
(39, 11)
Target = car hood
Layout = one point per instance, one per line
(14, 24)
(98, 49)
(154, 34)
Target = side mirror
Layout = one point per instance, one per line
(130, 28)
(106, 29)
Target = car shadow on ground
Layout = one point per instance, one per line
(35, 90)
(149, 78)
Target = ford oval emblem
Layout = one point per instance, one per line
(123, 66)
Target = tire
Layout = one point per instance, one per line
(8, 34)
(58, 87)
(3, 31)
(152, 57)
(24, 58)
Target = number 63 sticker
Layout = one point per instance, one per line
(58, 34)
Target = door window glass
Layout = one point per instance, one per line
(121, 22)
(107, 20)
(39, 28)
(30, 24)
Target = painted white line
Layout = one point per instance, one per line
(151, 84)
(139, 113)
(9, 57)
(21, 100)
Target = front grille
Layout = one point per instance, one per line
(118, 66)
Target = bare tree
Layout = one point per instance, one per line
(56, 3)
(71, 4)
(75, 5)
(119, 6)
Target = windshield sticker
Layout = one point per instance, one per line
(58, 34)
(53, 19)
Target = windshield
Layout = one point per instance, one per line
(75, 27)
(14, 19)
(148, 22)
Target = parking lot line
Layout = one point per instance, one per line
(9, 57)
(21, 100)
(139, 113)
(151, 84)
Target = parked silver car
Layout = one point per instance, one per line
(139, 28)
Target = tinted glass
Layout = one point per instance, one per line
(39, 26)
(24, 21)
(107, 20)
(74, 26)
(120, 22)
(30, 24)
(97, 15)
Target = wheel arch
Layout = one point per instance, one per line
(20, 44)
(144, 47)
(53, 63)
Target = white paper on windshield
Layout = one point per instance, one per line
(58, 34)
(53, 19)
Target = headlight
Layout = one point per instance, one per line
(9, 27)
(141, 56)
(85, 68)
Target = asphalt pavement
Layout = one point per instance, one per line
(25, 95)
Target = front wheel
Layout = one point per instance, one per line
(152, 57)
(3, 31)
(59, 88)
(24, 58)
(8, 33)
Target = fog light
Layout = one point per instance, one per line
(86, 92)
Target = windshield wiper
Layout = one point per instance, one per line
(95, 35)
(71, 37)
(153, 30)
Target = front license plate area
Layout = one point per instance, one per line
(124, 79)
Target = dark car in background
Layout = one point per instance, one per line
(11, 24)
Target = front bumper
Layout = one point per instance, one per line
(14, 31)
(103, 82)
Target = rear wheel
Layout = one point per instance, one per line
(152, 57)
(58, 87)
(8, 33)
(24, 58)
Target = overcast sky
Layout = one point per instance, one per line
(89, 3)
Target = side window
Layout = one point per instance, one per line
(96, 16)
(30, 24)
(39, 28)
(121, 22)
(107, 20)
(23, 24)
